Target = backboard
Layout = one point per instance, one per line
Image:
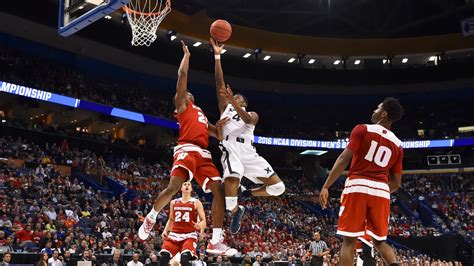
(75, 15)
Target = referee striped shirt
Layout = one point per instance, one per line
(317, 247)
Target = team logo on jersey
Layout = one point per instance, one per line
(268, 170)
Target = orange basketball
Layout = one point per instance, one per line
(221, 30)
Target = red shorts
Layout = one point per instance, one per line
(198, 163)
(179, 244)
(365, 209)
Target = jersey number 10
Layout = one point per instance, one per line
(382, 156)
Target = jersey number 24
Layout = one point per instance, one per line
(179, 216)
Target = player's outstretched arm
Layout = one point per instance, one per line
(216, 131)
(219, 74)
(248, 117)
(181, 96)
(341, 163)
(169, 223)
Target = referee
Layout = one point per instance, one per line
(318, 249)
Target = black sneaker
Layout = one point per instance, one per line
(237, 219)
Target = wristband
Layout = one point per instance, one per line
(217, 56)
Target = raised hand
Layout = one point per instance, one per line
(185, 48)
(222, 122)
(216, 46)
(226, 92)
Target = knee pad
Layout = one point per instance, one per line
(165, 258)
(186, 258)
(276, 189)
(230, 203)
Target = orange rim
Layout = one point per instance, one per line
(129, 10)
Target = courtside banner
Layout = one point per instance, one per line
(153, 120)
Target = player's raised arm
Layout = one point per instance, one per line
(219, 74)
(169, 223)
(248, 117)
(181, 96)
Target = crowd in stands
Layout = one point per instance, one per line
(43, 211)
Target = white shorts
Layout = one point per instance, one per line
(241, 159)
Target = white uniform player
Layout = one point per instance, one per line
(239, 156)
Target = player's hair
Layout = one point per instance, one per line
(393, 108)
(245, 99)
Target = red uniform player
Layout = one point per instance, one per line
(186, 218)
(192, 161)
(375, 172)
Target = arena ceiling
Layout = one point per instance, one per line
(338, 18)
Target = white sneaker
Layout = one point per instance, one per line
(220, 248)
(146, 228)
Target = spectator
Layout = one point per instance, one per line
(43, 261)
(7, 257)
(246, 261)
(67, 259)
(116, 260)
(201, 261)
(255, 252)
(54, 260)
(48, 249)
(135, 261)
(258, 261)
(153, 260)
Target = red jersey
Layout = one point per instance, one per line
(193, 126)
(185, 214)
(376, 153)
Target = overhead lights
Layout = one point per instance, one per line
(357, 62)
(291, 60)
(311, 61)
(337, 62)
(247, 55)
(404, 60)
(171, 34)
(223, 51)
(267, 57)
(80, 7)
(432, 58)
(107, 17)
(197, 44)
(384, 61)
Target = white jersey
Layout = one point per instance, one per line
(236, 126)
(239, 156)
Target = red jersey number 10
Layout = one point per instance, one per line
(382, 154)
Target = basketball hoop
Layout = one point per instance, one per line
(144, 17)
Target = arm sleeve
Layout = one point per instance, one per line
(356, 137)
(398, 166)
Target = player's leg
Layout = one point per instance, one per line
(188, 251)
(346, 254)
(259, 171)
(232, 171)
(351, 223)
(209, 179)
(183, 167)
(168, 250)
(377, 226)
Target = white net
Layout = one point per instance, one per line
(144, 17)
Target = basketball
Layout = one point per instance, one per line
(221, 30)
